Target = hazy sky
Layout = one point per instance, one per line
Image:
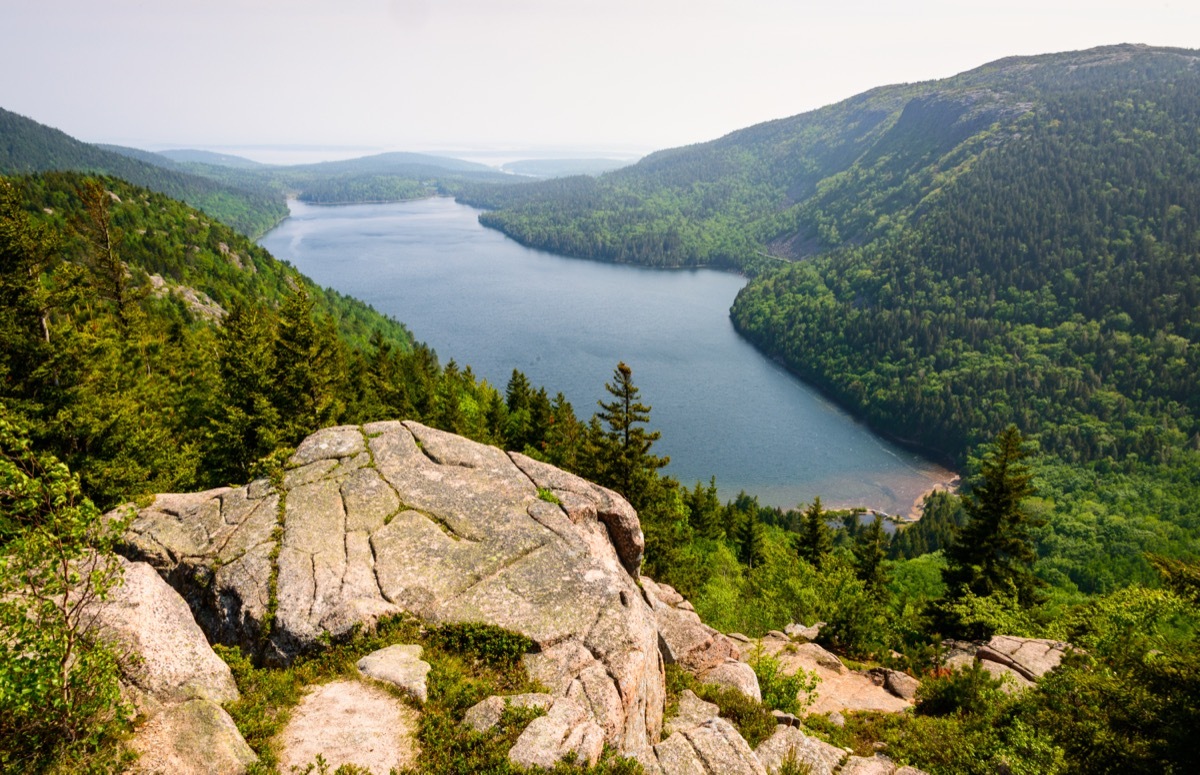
(444, 74)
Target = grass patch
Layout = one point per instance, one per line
(548, 496)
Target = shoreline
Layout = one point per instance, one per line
(951, 485)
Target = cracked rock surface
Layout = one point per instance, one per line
(397, 517)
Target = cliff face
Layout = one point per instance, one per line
(391, 517)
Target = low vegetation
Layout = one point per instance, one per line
(470, 662)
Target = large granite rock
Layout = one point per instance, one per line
(840, 689)
(790, 744)
(172, 677)
(697, 648)
(1018, 662)
(487, 713)
(390, 517)
(402, 667)
(683, 638)
(565, 727)
(711, 748)
(1030, 657)
(196, 737)
(171, 660)
(692, 712)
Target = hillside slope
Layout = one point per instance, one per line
(1017, 244)
(812, 182)
(27, 146)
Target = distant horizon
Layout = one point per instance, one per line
(304, 153)
(624, 76)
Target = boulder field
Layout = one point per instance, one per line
(395, 517)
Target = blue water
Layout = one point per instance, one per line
(723, 409)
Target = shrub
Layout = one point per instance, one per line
(971, 691)
(59, 693)
(494, 646)
(779, 691)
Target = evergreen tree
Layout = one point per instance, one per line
(870, 556)
(816, 538)
(109, 274)
(749, 538)
(246, 424)
(564, 435)
(519, 422)
(705, 509)
(309, 368)
(31, 288)
(631, 469)
(994, 550)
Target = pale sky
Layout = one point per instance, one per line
(456, 74)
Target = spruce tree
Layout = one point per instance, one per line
(749, 538)
(631, 468)
(870, 554)
(816, 538)
(309, 368)
(994, 550)
(246, 423)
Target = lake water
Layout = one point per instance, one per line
(482, 299)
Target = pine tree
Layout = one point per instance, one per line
(631, 467)
(816, 538)
(309, 368)
(705, 508)
(749, 538)
(246, 424)
(994, 550)
(870, 556)
(31, 288)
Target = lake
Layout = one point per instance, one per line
(723, 409)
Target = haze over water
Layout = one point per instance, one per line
(481, 299)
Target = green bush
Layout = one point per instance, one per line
(59, 695)
(782, 692)
(492, 645)
(970, 691)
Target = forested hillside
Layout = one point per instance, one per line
(27, 146)
(1018, 244)
(797, 186)
(385, 177)
(111, 296)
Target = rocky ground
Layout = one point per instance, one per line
(393, 517)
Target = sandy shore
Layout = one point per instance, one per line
(950, 485)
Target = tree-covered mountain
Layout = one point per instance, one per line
(386, 177)
(209, 157)
(1016, 244)
(800, 185)
(561, 168)
(27, 146)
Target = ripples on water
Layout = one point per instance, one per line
(478, 297)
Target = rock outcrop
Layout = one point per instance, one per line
(690, 643)
(1030, 657)
(390, 517)
(840, 689)
(711, 748)
(172, 677)
(790, 744)
(1019, 662)
(565, 727)
(400, 666)
(349, 722)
